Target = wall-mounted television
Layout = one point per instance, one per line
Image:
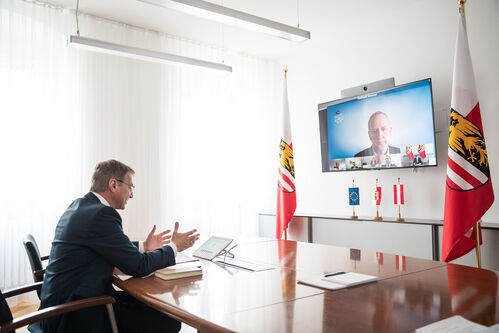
(385, 129)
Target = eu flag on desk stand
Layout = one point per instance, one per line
(353, 198)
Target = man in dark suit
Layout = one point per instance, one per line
(89, 243)
(380, 132)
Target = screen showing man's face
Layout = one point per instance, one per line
(380, 132)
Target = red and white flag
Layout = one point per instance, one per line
(408, 152)
(469, 192)
(398, 194)
(286, 191)
(422, 151)
(377, 195)
(400, 263)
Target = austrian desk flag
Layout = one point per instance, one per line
(398, 194)
(377, 195)
(286, 192)
(469, 192)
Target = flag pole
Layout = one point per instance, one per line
(285, 78)
(477, 248)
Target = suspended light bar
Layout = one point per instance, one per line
(230, 16)
(141, 54)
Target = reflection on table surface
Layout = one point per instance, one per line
(410, 292)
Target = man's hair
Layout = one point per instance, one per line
(106, 170)
(377, 113)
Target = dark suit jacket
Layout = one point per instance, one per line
(370, 151)
(88, 243)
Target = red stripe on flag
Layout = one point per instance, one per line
(463, 173)
(401, 194)
(451, 184)
(475, 117)
(395, 194)
(378, 199)
(287, 180)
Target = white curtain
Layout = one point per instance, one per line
(201, 141)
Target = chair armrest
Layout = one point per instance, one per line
(23, 289)
(39, 272)
(55, 311)
(44, 258)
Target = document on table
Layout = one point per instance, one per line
(337, 280)
(456, 324)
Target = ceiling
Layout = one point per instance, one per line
(175, 23)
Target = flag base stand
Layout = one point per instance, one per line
(353, 214)
(377, 217)
(399, 218)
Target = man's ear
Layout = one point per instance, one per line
(112, 185)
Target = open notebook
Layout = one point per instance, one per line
(337, 280)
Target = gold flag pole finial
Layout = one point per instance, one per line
(461, 5)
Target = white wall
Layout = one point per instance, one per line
(371, 40)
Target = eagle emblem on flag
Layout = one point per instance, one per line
(466, 139)
(286, 158)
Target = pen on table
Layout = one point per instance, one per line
(333, 274)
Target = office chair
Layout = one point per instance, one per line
(8, 324)
(35, 259)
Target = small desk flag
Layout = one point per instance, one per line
(353, 196)
(377, 195)
(398, 194)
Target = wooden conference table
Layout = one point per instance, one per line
(410, 292)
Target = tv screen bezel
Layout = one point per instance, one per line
(324, 135)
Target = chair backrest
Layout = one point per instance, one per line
(5, 313)
(34, 257)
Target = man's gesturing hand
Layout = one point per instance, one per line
(155, 241)
(184, 240)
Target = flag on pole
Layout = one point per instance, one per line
(400, 263)
(377, 195)
(286, 192)
(353, 196)
(398, 194)
(408, 152)
(422, 151)
(379, 258)
(469, 193)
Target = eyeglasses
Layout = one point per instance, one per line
(130, 186)
(382, 129)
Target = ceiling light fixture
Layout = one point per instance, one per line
(138, 53)
(230, 16)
